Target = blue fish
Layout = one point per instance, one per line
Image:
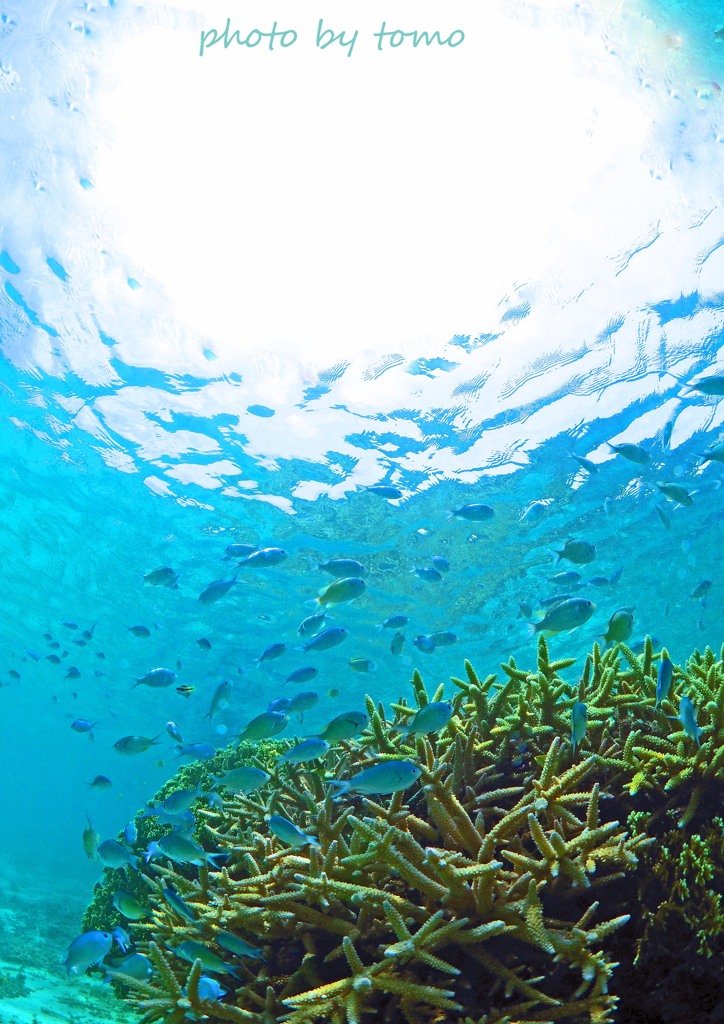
(428, 573)
(181, 908)
(121, 937)
(579, 722)
(327, 638)
(395, 622)
(425, 644)
(687, 717)
(302, 675)
(86, 950)
(664, 680)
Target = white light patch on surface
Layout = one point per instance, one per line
(320, 205)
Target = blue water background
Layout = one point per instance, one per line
(113, 466)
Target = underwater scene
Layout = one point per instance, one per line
(361, 635)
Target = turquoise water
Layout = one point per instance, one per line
(130, 441)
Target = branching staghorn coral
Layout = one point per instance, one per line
(490, 892)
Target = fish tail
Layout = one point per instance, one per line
(532, 628)
(340, 790)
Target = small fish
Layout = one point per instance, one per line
(83, 725)
(279, 704)
(210, 989)
(288, 832)
(174, 732)
(100, 782)
(397, 643)
(598, 581)
(615, 576)
(329, 637)
(198, 751)
(216, 590)
(307, 750)
(237, 946)
(302, 675)
(181, 800)
(72, 673)
(632, 452)
(192, 951)
(579, 722)
(663, 516)
(333, 692)
(53, 659)
(242, 780)
(80, 643)
(384, 491)
(701, 590)
(424, 643)
(272, 652)
(182, 909)
(14, 673)
(342, 591)
(395, 622)
(220, 698)
(590, 467)
(675, 492)
(311, 624)
(343, 727)
(668, 431)
(140, 631)
(339, 567)
(269, 723)
(130, 833)
(533, 514)
(121, 938)
(134, 744)
(608, 506)
(713, 454)
(428, 573)
(581, 552)
(443, 638)
(474, 513)
(156, 677)
(564, 579)
(86, 950)
(164, 576)
(362, 665)
(440, 563)
(70, 625)
(664, 679)
(263, 558)
(90, 841)
(303, 702)
(620, 627)
(128, 906)
(116, 855)
(239, 551)
(712, 386)
(567, 615)
(387, 777)
(135, 965)
(687, 717)
(185, 691)
(431, 718)
(203, 643)
(179, 849)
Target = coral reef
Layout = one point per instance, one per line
(503, 888)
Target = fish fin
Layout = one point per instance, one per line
(532, 628)
(343, 787)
